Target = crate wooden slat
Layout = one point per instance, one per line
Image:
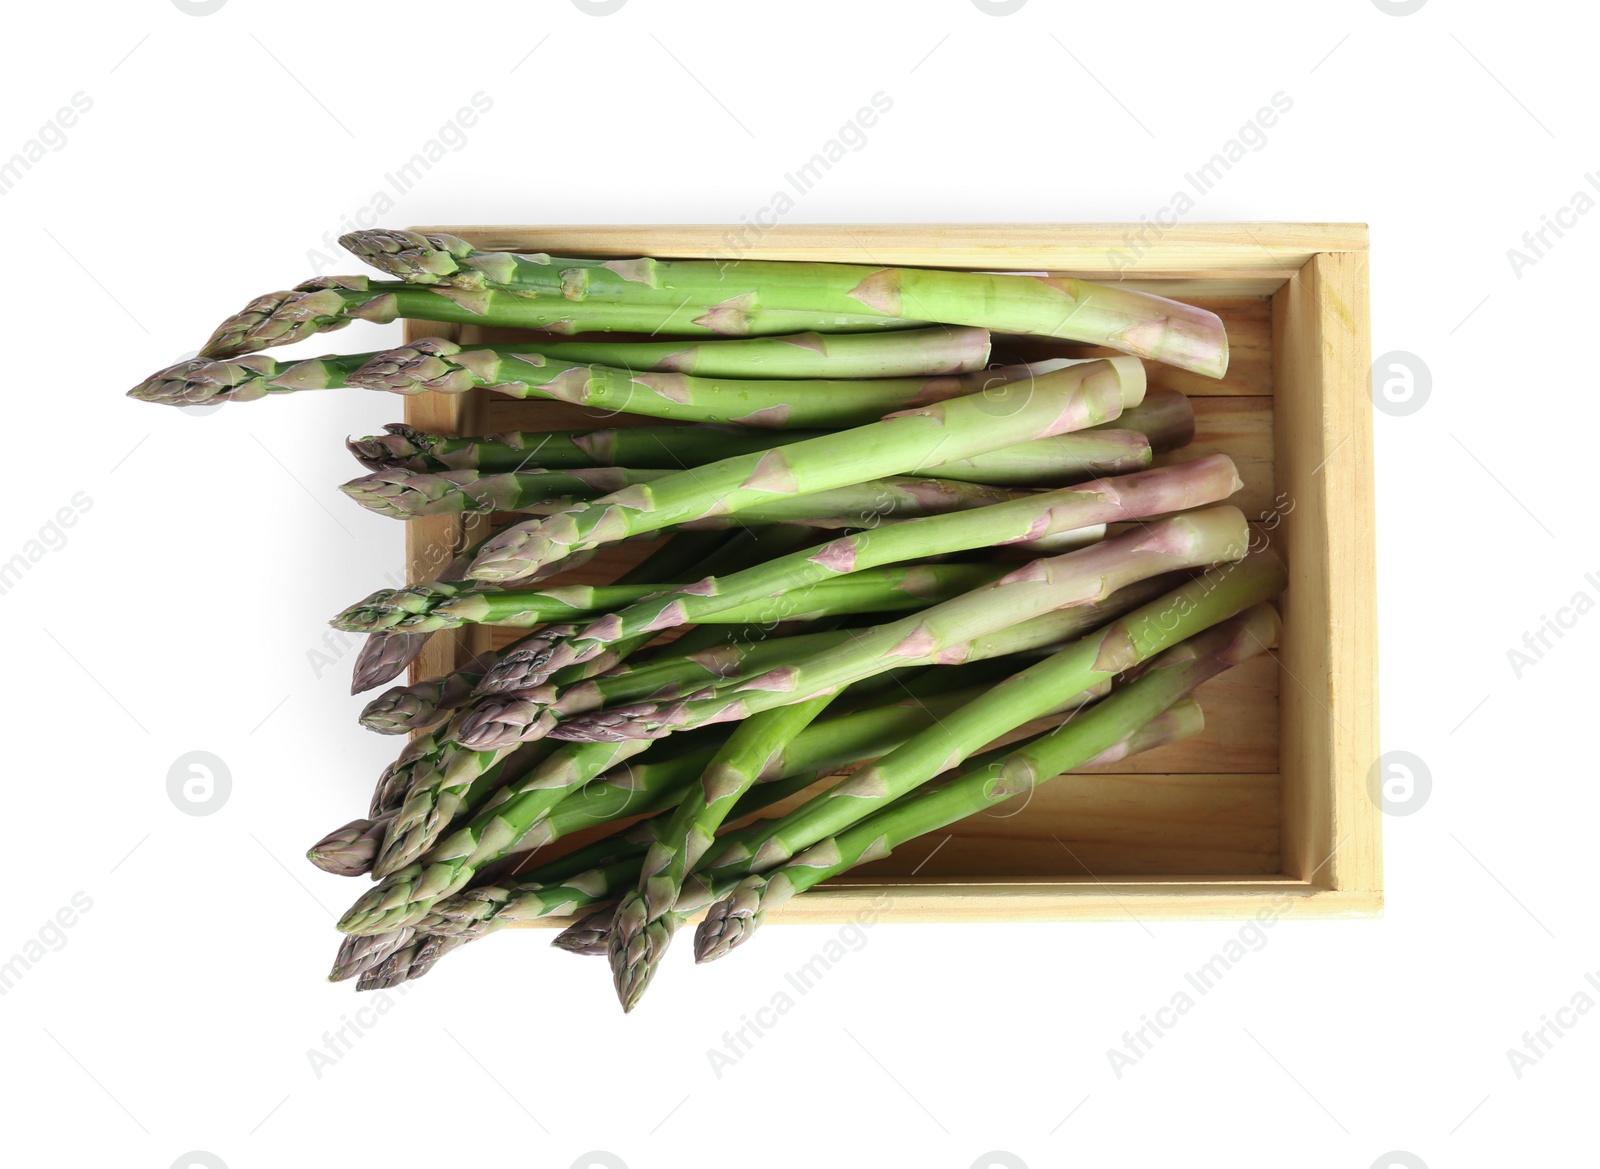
(1270, 802)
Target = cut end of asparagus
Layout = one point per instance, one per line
(731, 921)
(590, 934)
(413, 256)
(349, 851)
(357, 955)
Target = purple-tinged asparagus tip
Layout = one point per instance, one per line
(358, 954)
(349, 851)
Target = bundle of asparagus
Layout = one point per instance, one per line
(887, 585)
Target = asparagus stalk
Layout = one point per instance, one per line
(1138, 637)
(1189, 541)
(1167, 679)
(1050, 306)
(1069, 399)
(406, 496)
(940, 349)
(644, 923)
(450, 605)
(332, 302)
(1104, 501)
(1065, 458)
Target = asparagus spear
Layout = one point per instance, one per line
(1167, 679)
(450, 605)
(406, 496)
(940, 349)
(1189, 541)
(1104, 501)
(1051, 306)
(1065, 458)
(332, 302)
(644, 923)
(1135, 638)
(1069, 399)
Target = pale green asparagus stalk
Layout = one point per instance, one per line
(1099, 729)
(1141, 635)
(332, 302)
(941, 349)
(450, 605)
(1051, 306)
(406, 496)
(1105, 501)
(1070, 399)
(1193, 540)
(1065, 458)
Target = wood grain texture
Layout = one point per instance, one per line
(1098, 251)
(1244, 815)
(1329, 695)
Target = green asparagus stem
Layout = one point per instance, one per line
(1073, 310)
(407, 496)
(450, 605)
(644, 923)
(908, 353)
(332, 302)
(1100, 656)
(1065, 458)
(1104, 501)
(1070, 399)
(1194, 540)
(1168, 679)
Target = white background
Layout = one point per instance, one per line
(182, 609)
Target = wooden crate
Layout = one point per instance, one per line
(1267, 810)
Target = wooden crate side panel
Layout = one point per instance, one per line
(1328, 694)
(1213, 251)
